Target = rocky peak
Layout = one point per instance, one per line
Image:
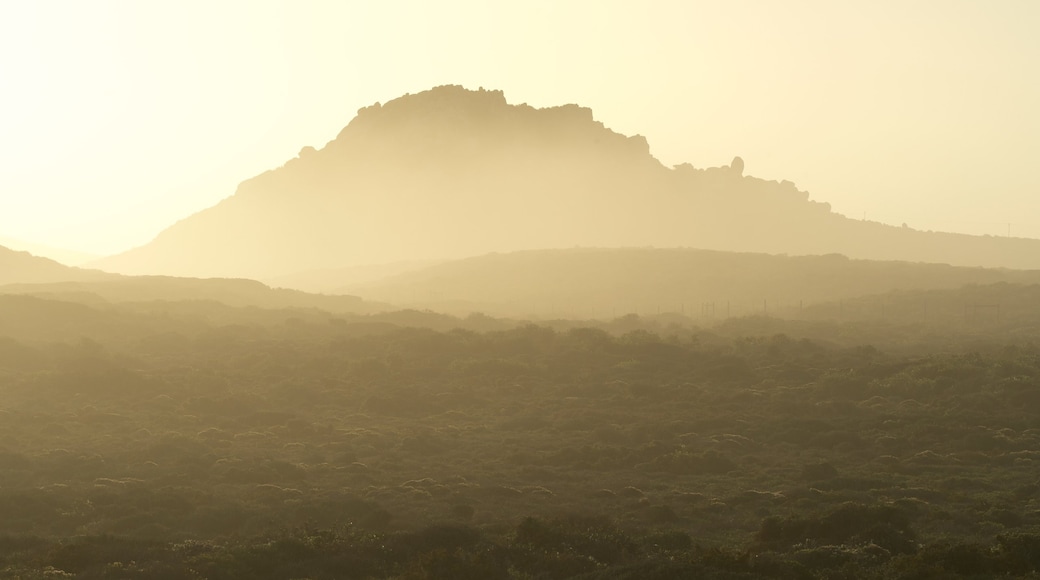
(441, 119)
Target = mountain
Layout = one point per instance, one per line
(588, 282)
(61, 255)
(450, 173)
(23, 267)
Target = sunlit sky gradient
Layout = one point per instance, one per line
(118, 118)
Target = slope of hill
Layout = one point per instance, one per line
(60, 255)
(230, 292)
(1012, 307)
(22, 273)
(24, 267)
(339, 280)
(610, 282)
(450, 173)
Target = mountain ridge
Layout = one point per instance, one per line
(63, 256)
(450, 172)
(21, 266)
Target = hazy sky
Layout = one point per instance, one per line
(118, 118)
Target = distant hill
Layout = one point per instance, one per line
(340, 280)
(230, 292)
(450, 173)
(24, 267)
(22, 273)
(70, 318)
(61, 255)
(976, 307)
(613, 282)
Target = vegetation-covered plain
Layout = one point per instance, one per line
(196, 440)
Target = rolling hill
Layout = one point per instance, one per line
(22, 273)
(603, 282)
(18, 266)
(60, 255)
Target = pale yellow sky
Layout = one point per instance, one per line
(118, 118)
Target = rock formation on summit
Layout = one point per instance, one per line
(737, 166)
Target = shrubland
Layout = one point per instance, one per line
(194, 440)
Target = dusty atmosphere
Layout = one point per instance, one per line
(469, 290)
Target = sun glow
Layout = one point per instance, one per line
(120, 118)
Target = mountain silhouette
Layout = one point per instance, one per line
(23, 267)
(60, 255)
(22, 273)
(451, 172)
